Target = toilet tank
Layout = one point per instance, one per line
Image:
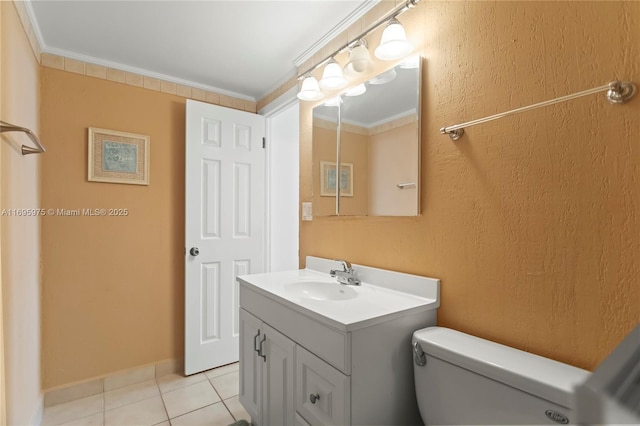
(471, 381)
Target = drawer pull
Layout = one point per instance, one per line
(314, 397)
(261, 353)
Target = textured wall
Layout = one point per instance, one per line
(113, 293)
(531, 222)
(20, 97)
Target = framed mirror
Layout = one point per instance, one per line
(373, 132)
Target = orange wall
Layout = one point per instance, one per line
(20, 176)
(531, 222)
(112, 286)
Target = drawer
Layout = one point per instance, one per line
(329, 344)
(322, 392)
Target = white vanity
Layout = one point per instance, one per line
(313, 351)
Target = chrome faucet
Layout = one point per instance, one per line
(347, 275)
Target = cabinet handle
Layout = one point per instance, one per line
(255, 343)
(314, 397)
(261, 353)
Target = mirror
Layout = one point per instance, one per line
(375, 137)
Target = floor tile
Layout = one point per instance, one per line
(237, 410)
(95, 420)
(211, 415)
(163, 424)
(172, 382)
(188, 399)
(227, 385)
(220, 371)
(130, 394)
(142, 413)
(130, 377)
(73, 410)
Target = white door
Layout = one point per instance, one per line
(224, 233)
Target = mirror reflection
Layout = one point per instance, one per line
(373, 131)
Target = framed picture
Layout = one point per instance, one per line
(118, 157)
(329, 179)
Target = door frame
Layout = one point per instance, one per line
(270, 112)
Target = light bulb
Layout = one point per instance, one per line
(359, 59)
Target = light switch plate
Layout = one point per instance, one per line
(306, 211)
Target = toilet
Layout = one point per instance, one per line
(464, 380)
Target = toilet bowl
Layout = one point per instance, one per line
(464, 380)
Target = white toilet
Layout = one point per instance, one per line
(463, 380)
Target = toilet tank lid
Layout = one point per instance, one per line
(543, 377)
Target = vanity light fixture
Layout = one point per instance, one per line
(394, 44)
(359, 59)
(332, 77)
(356, 90)
(310, 90)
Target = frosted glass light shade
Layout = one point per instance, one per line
(359, 59)
(357, 90)
(332, 78)
(310, 90)
(394, 44)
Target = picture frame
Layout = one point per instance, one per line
(118, 157)
(328, 179)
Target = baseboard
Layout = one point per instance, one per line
(37, 417)
(96, 385)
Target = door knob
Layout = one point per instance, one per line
(314, 397)
(194, 251)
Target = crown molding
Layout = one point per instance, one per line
(335, 31)
(383, 121)
(145, 73)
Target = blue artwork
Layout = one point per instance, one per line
(119, 157)
(331, 179)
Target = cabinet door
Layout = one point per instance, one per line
(250, 365)
(322, 392)
(300, 421)
(278, 379)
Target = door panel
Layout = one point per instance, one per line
(278, 379)
(250, 391)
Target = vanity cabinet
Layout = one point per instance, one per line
(301, 368)
(267, 373)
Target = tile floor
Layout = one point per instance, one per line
(206, 399)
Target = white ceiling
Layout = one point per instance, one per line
(241, 48)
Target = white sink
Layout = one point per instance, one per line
(320, 290)
(383, 295)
